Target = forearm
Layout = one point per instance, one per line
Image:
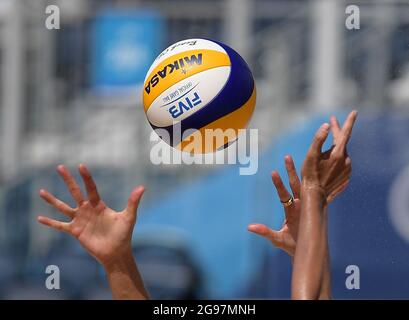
(325, 292)
(125, 280)
(312, 246)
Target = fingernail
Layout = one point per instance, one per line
(325, 126)
(252, 227)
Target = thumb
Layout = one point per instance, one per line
(265, 232)
(319, 139)
(134, 198)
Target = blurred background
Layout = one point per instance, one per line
(73, 94)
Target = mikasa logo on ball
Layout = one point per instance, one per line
(184, 62)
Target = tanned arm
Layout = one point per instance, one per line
(323, 174)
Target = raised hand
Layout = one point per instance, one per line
(103, 232)
(286, 237)
(324, 174)
(330, 170)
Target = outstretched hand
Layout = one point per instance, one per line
(286, 237)
(103, 232)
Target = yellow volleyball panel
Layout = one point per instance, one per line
(179, 67)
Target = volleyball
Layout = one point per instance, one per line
(202, 87)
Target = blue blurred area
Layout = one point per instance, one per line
(361, 231)
(198, 230)
(214, 213)
(124, 44)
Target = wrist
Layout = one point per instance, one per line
(315, 190)
(119, 263)
(313, 187)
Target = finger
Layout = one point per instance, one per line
(265, 232)
(340, 181)
(58, 225)
(344, 174)
(90, 185)
(335, 128)
(319, 139)
(282, 191)
(341, 188)
(337, 191)
(348, 125)
(345, 171)
(71, 184)
(295, 183)
(134, 200)
(56, 203)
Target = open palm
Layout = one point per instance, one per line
(103, 232)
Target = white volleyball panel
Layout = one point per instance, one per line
(185, 45)
(187, 97)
